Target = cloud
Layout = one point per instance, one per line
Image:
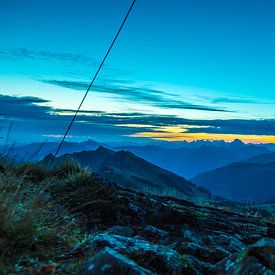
(122, 89)
(75, 85)
(67, 60)
(80, 111)
(236, 100)
(143, 95)
(24, 107)
(45, 55)
(33, 115)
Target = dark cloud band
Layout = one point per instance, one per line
(30, 111)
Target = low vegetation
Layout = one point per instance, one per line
(53, 219)
(35, 230)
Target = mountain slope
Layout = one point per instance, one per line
(241, 181)
(126, 169)
(262, 158)
(188, 162)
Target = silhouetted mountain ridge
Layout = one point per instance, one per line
(126, 169)
(241, 181)
(186, 159)
(262, 158)
(188, 162)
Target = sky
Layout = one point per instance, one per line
(180, 70)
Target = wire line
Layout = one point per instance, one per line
(95, 76)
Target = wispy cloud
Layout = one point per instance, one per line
(75, 85)
(237, 100)
(83, 62)
(132, 93)
(45, 55)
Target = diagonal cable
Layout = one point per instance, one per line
(94, 77)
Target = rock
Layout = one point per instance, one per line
(170, 227)
(109, 261)
(121, 230)
(264, 251)
(191, 265)
(215, 255)
(136, 210)
(252, 238)
(187, 248)
(190, 237)
(231, 243)
(235, 245)
(211, 255)
(2, 169)
(156, 257)
(155, 234)
(258, 258)
(270, 232)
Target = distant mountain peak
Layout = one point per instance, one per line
(90, 142)
(102, 149)
(237, 142)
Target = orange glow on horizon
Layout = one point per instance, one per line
(180, 133)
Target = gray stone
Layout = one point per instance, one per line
(121, 230)
(149, 254)
(155, 232)
(258, 258)
(110, 262)
(136, 209)
(190, 237)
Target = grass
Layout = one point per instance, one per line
(35, 229)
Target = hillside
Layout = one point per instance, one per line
(241, 181)
(262, 158)
(190, 161)
(126, 169)
(70, 221)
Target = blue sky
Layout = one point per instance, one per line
(190, 61)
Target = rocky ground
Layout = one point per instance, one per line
(127, 232)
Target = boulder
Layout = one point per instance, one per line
(190, 237)
(210, 255)
(110, 262)
(258, 258)
(155, 257)
(155, 234)
(231, 243)
(121, 230)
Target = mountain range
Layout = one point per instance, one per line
(235, 170)
(262, 158)
(190, 161)
(182, 158)
(126, 169)
(252, 179)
